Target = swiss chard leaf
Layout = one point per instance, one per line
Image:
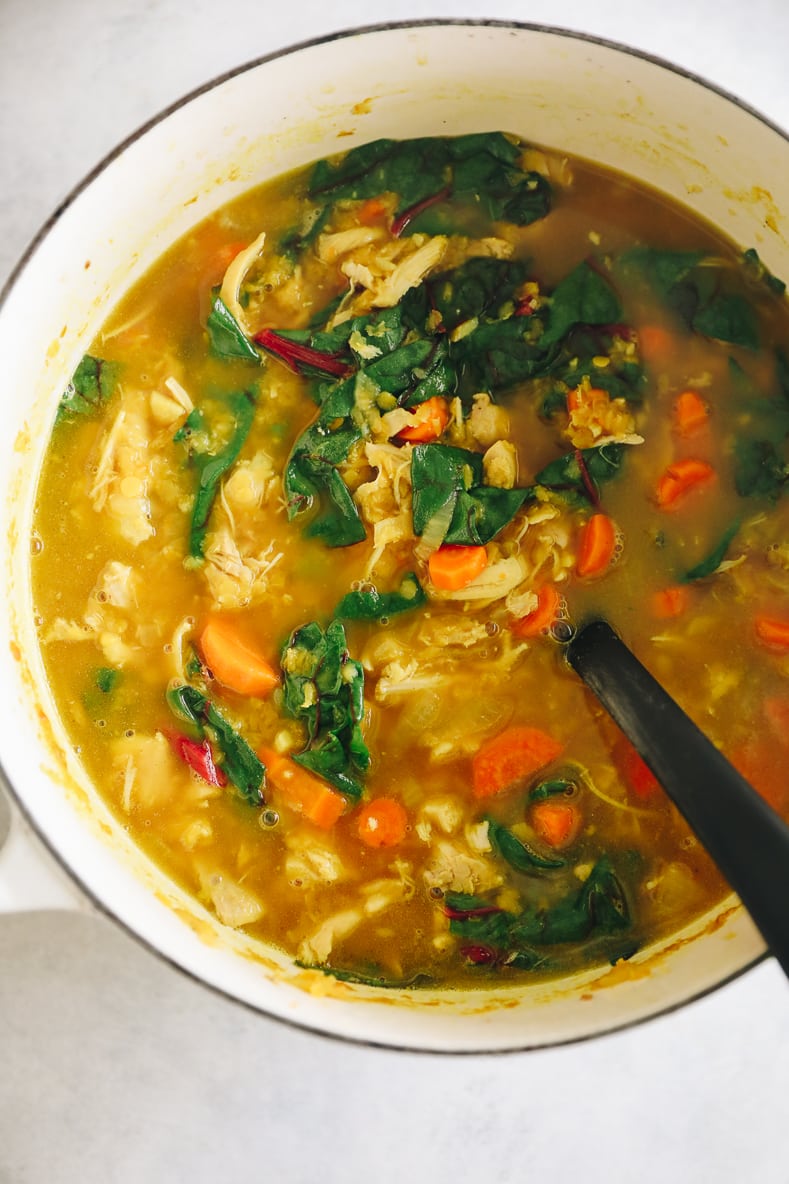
(92, 384)
(438, 473)
(368, 604)
(728, 317)
(475, 289)
(445, 479)
(581, 298)
(482, 168)
(759, 469)
(570, 475)
(660, 269)
(239, 763)
(518, 854)
(226, 337)
(211, 468)
(499, 354)
(324, 688)
(710, 564)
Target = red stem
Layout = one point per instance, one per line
(297, 357)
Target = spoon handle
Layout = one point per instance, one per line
(745, 837)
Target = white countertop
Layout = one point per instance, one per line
(113, 1067)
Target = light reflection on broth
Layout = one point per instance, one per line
(542, 392)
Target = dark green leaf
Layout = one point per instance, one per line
(760, 470)
(324, 688)
(226, 337)
(240, 764)
(371, 605)
(661, 269)
(475, 289)
(481, 512)
(709, 565)
(438, 473)
(729, 318)
(211, 469)
(517, 853)
(568, 474)
(92, 385)
(582, 298)
(551, 789)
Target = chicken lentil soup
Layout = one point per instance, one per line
(321, 502)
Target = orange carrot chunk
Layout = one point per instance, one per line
(655, 344)
(429, 421)
(680, 478)
(670, 602)
(773, 633)
(511, 756)
(596, 546)
(690, 413)
(557, 823)
(452, 568)
(382, 823)
(593, 397)
(636, 772)
(371, 211)
(234, 661)
(302, 790)
(540, 619)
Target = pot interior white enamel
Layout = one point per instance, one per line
(591, 99)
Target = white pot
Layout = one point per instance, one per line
(590, 98)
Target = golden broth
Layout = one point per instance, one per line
(122, 603)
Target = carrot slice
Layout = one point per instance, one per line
(511, 756)
(557, 823)
(452, 568)
(655, 344)
(670, 602)
(540, 619)
(636, 772)
(765, 769)
(680, 478)
(371, 211)
(773, 633)
(234, 661)
(690, 413)
(302, 790)
(382, 823)
(596, 546)
(429, 421)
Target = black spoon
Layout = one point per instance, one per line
(745, 837)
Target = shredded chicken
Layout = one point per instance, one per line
(487, 421)
(455, 868)
(500, 465)
(236, 580)
(121, 481)
(234, 277)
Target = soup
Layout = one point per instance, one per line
(341, 472)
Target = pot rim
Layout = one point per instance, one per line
(138, 133)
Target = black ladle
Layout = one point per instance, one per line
(745, 837)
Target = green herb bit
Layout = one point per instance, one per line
(92, 385)
(368, 604)
(239, 762)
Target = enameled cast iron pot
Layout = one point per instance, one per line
(590, 98)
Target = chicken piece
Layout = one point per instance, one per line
(444, 814)
(487, 421)
(500, 465)
(121, 482)
(331, 247)
(234, 904)
(250, 485)
(310, 862)
(455, 868)
(236, 579)
(149, 771)
(452, 630)
(316, 949)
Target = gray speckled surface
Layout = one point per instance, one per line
(113, 1068)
